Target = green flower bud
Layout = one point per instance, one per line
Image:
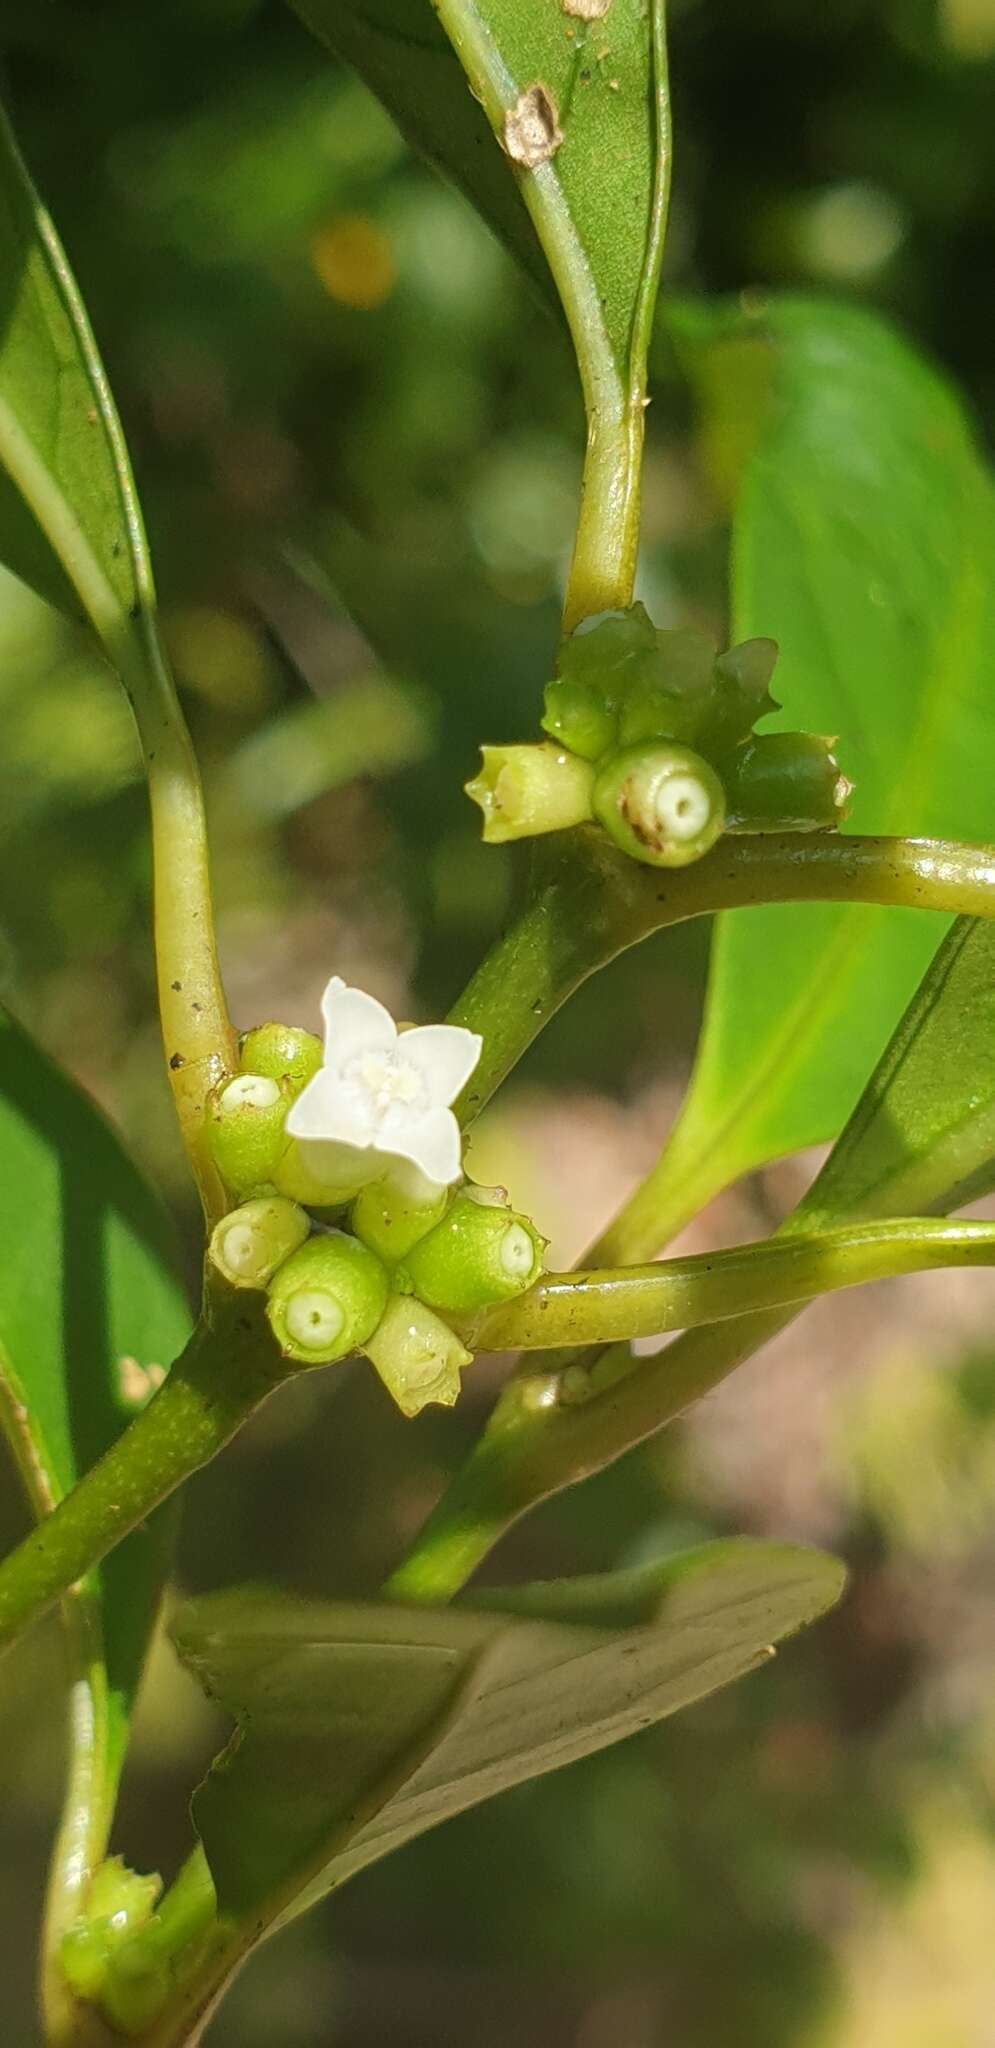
(293, 1177)
(662, 805)
(740, 695)
(250, 1244)
(478, 1254)
(245, 1119)
(390, 1221)
(118, 1902)
(327, 1299)
(579, 716)
(523, 791)
(135, 1990)
(786, 782)
(608, 650)
(283, 1053)
(418, 1357)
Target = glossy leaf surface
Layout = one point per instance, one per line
(864, 541)
(91, 1313)
(599, 181)
(363, 1726)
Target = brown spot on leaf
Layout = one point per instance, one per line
(532, 132)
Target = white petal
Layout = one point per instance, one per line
(354, 1022)
(323, 1112)
(340, 1167)
(445, 1055)
(432, 1143)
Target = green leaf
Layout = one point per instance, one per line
(576, 115)
(69, 520)
(360, 1727)
(90, 1314)
(864, 541)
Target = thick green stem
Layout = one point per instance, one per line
(606, 1306)
(198, 1039)
(227, 1369)
(588, 903)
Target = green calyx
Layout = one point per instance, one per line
(283, 1053)
(480, 1253)
(418, 1357)
(244, 1122)
(326, 1299)
(524, 791)
(118, 1902)
(248, 1246)
(663, 805)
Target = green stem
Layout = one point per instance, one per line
(608, 1306)
(589, 903)
(199, 1042)
(226, 1371)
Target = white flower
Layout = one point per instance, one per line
(381, 1096)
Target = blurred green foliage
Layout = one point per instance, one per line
(357, 435)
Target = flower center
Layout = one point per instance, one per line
(388, 1088)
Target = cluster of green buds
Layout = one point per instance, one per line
(96, 1950)
(651, 734)
(356, 1246)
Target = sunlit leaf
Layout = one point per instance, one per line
(360, 1727)
(864, 541)
(91, 1313)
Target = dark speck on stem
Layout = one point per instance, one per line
(177, 1061)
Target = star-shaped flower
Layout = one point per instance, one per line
(381, 1098)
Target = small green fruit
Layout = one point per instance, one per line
(244, 1121)
(283, 1053)
(390, 1222)
(327, 1299)
(663, 805)
(477, 1255)
(249, 1245)
(786, 782)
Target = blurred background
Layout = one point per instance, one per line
(357, 442)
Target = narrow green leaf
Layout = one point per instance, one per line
(90, 1314)
(360, 1727)
(864, 541)
(575, 114)
(69, 521)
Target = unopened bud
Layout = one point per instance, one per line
(786, 782)
(387, 1219)
(478, 1254)
(740, 696)
(663, 805)
(283, 1053)
(249, 1245)
(418, 1357)
(245, 1119)
(327, 1299)
(523, 791)
(579, 716)
(118, 1902)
